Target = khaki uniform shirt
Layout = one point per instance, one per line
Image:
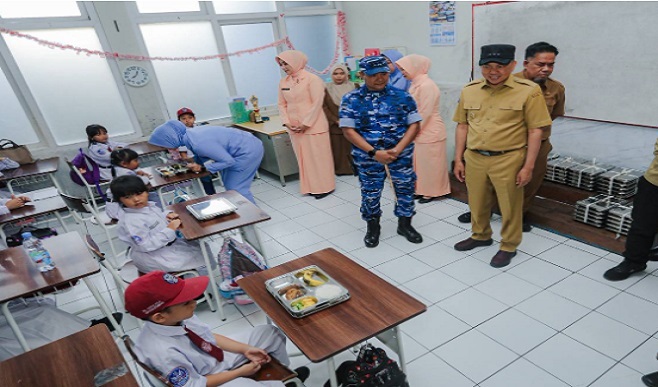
(652, 173)
(499, 118)
(554, 95)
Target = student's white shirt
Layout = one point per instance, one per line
(100, 153)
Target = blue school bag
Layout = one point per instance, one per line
(89, 170)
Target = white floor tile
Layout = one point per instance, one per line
(570, 361)
(555, 311)
(273, 249)
(434, 327)
(516, 331)
(430, 370)
(595, 271)
(619, 375)
(470, 271)
(377, 255)
(646, 288)
(606, 335)
(283, 228)
(440, 230)
(300, 239)
(508, 289)
(568, 257)
(440, 210)
(435, 286)
(584, 291)
(475, 355)
(438, 255)
(632, 311)
(333, 229)
(401, 243)
(585, 247)
(643, 358)
(538, 272)
(472, 306)
(300, 209)
(534, 244)
(285, 202)
(522, 373)
(404, 268)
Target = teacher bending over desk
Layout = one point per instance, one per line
(232, 152)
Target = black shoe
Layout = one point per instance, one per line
(470, 244)
(653, 254)
(651, 380)
(406, 230)
(526, 226)
(117, 316)
(417, 197)
(502, 258)
(427, 200)
(372, 233)
(464, 218)
(623, 270)
(322, 195)
(302, 373)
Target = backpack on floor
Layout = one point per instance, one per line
(237, 260)
(89, 170)
(372, 368)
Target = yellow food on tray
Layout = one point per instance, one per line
(308, 277)
(304, 303)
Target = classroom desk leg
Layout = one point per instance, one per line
(213, 284)
(162, 202)
(392, 338)
(61, 221)
(55, 182)
(106, 310)
(277, 157)
(14, 326)
(331, 365)
(199, 188)
(250, 234)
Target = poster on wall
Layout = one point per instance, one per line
(442, 23)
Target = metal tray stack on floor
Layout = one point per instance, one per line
(619, 219)
(594, 210)
(584, 175)
(556, 169)
(619, 182)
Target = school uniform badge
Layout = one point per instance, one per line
(137, 239)
(170, 278)
(179, 376)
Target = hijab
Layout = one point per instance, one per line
(396, 78)
(297, 61)
(171, 134)
(417, 66)
(336, 91)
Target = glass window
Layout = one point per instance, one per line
(12, 117)
(257, 73)
(23, 9)
(320, 45)
(72, 91)
(299, 4)
(150, 6)
(199, 85)
(224, 7)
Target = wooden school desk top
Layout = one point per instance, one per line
(374, 306)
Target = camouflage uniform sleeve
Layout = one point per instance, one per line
(413, 115)
(346, 112)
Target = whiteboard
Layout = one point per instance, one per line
(608, 58)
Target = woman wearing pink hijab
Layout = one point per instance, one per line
(300, 106)
(430, 161)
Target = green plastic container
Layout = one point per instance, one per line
(239, 113)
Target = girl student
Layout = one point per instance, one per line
(100, 148)
(125, 162)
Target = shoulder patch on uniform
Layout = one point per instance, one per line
(136, 238)
(100, 151)
(179, 376)
(524, 81)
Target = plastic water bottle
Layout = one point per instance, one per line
(39, 255)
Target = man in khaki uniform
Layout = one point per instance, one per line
(499, 120)
(537, 67)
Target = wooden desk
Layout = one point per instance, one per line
(375, 306)
(158, 182)
(279, 157)
(145, 148)
(21, 278)
(51, 203)
(40, 167)
(72, 361)
(244, 219)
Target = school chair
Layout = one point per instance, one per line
(273, 370)
(83, 212)
(92, 193)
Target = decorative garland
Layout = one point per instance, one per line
(341, 37)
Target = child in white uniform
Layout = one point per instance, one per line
(125, 162)
(150, 232)
(184, 350)
(100, 148)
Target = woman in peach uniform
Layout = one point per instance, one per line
(300, 106)
(430, 161)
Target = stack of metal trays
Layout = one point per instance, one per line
(594, 210)
(556, 169)
(619, 219)
(619, 182)
(553, 155)
(584, 175)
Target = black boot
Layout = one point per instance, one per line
(406, 230)
(372, 234)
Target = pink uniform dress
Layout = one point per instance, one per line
(300, 103)
(430, 161)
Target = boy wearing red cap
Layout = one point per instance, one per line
(183, 349)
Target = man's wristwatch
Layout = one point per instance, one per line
(372, 152)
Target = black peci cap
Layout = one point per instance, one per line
(499, 53)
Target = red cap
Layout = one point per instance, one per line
(182, 111)
(157, 290)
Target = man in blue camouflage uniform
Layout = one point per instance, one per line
(381, 122)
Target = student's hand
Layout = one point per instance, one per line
(459, 171)
(194, 167)
(248, 369)
(16, 202)
(172, 216)
(142, 173)
(257, 355)
(523, 177)
(174, 224)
